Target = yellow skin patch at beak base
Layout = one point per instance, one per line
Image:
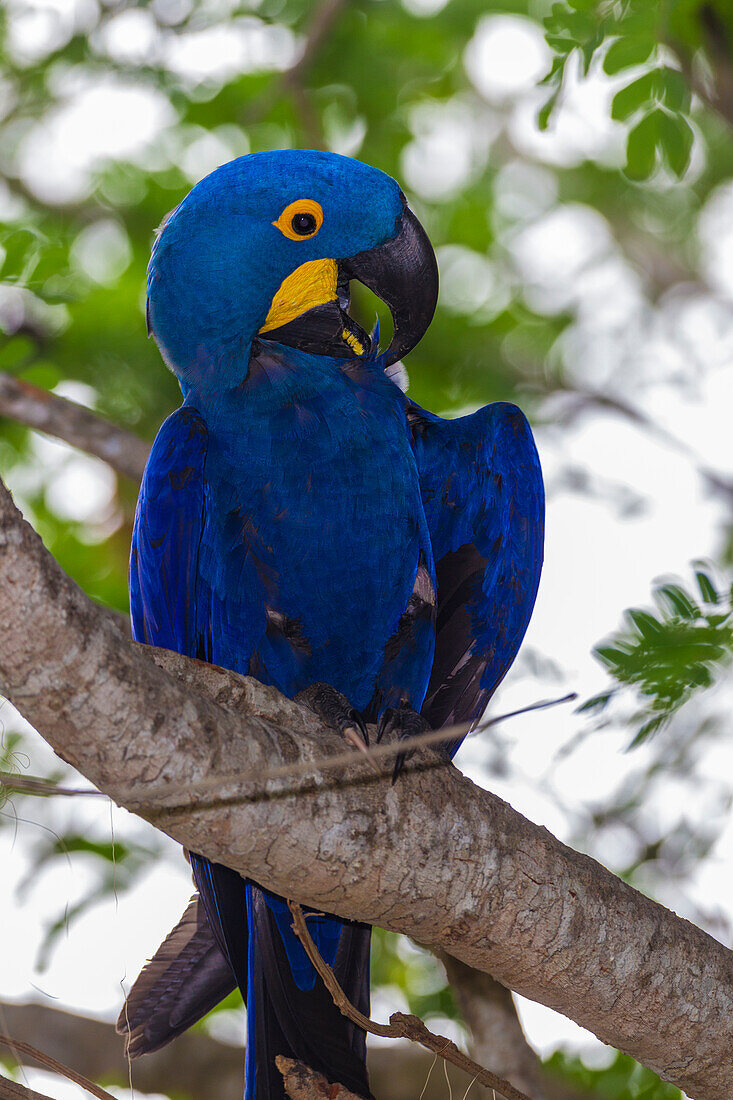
(311, 284)
(351, 340)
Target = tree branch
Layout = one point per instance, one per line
(125, 452)
(11, 1090)
(194, 1065)
(18, 1046)
(303, 1083)
(434, 857)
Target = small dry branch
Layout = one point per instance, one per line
(16, 1047)
(303, 1083)
(401, 1025)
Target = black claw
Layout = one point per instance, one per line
(385, 722)
(399, 765)
(404, 723)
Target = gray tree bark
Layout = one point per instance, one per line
(186, 746)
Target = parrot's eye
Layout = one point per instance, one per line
(303, 224)
(300, 220)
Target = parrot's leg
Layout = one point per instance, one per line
(336, 711)
(401, 723)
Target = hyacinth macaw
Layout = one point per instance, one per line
(302, 521)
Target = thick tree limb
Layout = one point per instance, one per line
(125, 452)
(434, 857)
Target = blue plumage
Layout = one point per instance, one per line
(302, 521)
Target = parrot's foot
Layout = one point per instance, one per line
(336, 711)
(401, 723)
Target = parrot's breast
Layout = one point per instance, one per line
(315, 530)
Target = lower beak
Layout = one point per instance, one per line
(402, 272)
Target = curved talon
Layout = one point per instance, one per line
(360, 725)
(399, 764)
(354, 737)
(405, 723)
(385, 721)
(358, 737)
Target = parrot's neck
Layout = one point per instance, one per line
(275, 377)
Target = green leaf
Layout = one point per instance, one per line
(708, 591)
(624, 53)
(678, 600)
(596, 703)
(645, 623)
(15, 351)
(672, 89)
(633, 97)
(675, 141)
(641, 146)
(555, 72)
(545, 111)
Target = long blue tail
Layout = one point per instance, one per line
(289, 1010)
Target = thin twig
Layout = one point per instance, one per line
(401, 1025)
(43, 788)
(17, 1045)
(340, 760)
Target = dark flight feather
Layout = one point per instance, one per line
(185, 979)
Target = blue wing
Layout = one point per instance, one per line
(167, 602)
(170, 607)
(483, 496)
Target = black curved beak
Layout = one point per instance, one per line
(403, 272)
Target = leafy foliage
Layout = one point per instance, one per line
(670, 653)
(624, 1079)
(636, 38)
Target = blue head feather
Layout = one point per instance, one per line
(219, 260)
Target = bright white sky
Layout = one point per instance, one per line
(601, 555)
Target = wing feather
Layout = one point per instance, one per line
(483, 495)
(185, 979)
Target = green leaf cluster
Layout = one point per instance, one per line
(655, 104)
(669, 653)
(623, 1079)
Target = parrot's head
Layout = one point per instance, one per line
(267, 245)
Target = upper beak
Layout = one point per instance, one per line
(402, 272)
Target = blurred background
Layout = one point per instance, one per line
(573, 165)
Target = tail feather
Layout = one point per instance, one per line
(185, 979)
(236, 933)
(290, 1011)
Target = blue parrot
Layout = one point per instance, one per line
(302, 521)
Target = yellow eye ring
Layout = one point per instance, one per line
(300, 220)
